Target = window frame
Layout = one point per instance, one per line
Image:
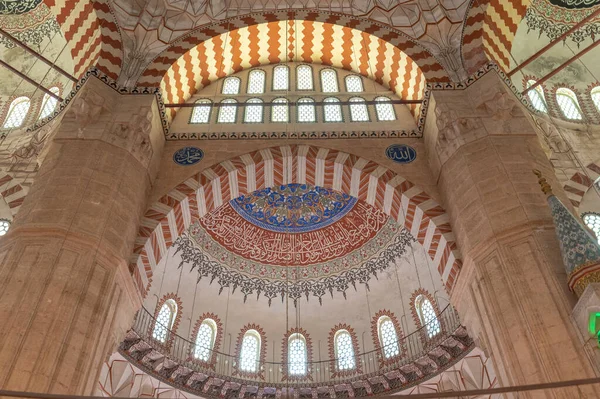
(366, 108)
(312, 77)
(175, 320)
(382, 319)
(210, 109)
(235, 115)
(216, 344)
(262, 110)
(261, 350)
(231, 78)
(595, 94)
(416, 306)
(338, 334)
(337, 83)
(264, 86)
(299, 337)
(45, 101)
(571, 95)
(298, 101)
(289, 75)
(11, 108)
(333, 352)
(584, 215)
(382, 103)
(362, 85)
(273, 104)
(325, 112)
(539, 92)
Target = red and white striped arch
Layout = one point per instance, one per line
(580, 183)
(92, 34)
(490, 28)
(12, 192)
(184, 70)
(414, 209)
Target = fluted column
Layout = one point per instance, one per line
(512, 290)
(66, 295)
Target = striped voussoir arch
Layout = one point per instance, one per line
(490, 27)
(197, 61)
(12, 192)
(579, 183)
(92, 34)
(414, 209)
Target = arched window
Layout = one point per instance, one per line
(250, 352)
(164, 321)
(384, 109)
(279, 110)
(17, 112)
(205, 340)
(332, 111)
(427, 316)
(201, 111)
(49, 103)
(4, 226)
(306, 110)
(231, 85)
(329, 82)
(353, 84)
(388, 337)
(592, 220)
(358, 110)
(297, 355)
(254, 113)
(596, 97)
(567, 101)
(227, 113)
(256, 81)
(281, 77)
(304, 78)
(344, 351)
(536, 96)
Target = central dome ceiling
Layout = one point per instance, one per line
(292, 240)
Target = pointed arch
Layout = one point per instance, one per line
(428, 330)
(216, 344)
(259, 333)
(410, 206)
(175, 306)
(334, 366)
(377, 339)
(285, 350)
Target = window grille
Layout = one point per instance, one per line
(384, 109)
(256, 81)
(205, 340)
(17, 112)
(304, 78)
(306, 110)
(164, 321)
(354, 84)
(201, 111)
(427, 316)
(49, 103)
(297, 355)
(329, 82)
(253, 113)
(231, 85)
(249, 355)
(279, 110)
(332, 112)
(281, 77)
(227, 113)
(592, 220)
(567, 101)
(344, 351)
(358, 110)
(536, 96)
(388, 337)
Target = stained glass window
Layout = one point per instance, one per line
(4, 226)
(201, 111)
(279, 110)
(596, 97)
(256, 81)
(427, 316)
(227, 113)
(384, 109)
(567, 101)
(536, 96)
(281, 77)
(49, 103)
(254, 113)
(344, 351)
(353, 84)
(231, 85)
(304, 78)
(306, 110)
(592, 220)
(358, 110)
(164, 321)
(388, 337)
(297, 355)
(332, 112)
(205, 340)
(250, 351)
(17, 112)
(329, 82)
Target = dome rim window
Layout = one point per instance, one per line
(11, 109)
(337, 357)
(539, 102)
(247, 108)
(350, 76)
(161, 333)
(273, 77)
(281, 104)
(4, 226)
(49, 100)
(573, 114)
(257, 355)
(334, 80)
(432, 326)
(254, 72)
(334, 103)
(195, 107)
(211, 345)
(392, 108)
(293, 337)
(586, 215)
(312, 78)
(383, 346)
(595, 95)
(221, 107)
(309, 101)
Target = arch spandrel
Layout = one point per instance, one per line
(414, 209)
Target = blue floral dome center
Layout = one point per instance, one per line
(293, 208)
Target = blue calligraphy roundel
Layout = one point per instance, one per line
(401, 153)
(188, 156)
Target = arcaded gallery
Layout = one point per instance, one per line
(299, 199)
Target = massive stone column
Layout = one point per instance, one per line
(66, 295)
(512, 290)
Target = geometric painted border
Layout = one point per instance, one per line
(169, 217)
